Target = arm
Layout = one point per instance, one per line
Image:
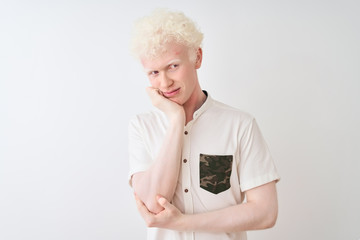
(259, 212)
(161, 177)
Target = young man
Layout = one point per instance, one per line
(193, 160)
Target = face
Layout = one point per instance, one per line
(173, 73)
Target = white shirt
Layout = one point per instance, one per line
(234, 158)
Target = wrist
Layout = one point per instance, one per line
(178, 118)
(185, 224)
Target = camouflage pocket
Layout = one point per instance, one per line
(215, 171)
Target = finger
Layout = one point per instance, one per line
(164, 202)
(149, 89)
(154, 91)
(160, 92)
(148, 216)
(140, 205)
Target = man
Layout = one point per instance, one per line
(193, 160)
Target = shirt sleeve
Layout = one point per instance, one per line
(139, 157)
(256, 163)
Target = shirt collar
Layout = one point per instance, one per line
(205, 106)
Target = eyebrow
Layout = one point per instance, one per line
(172, 61)
(169, 63)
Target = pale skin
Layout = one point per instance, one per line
(259, 212)
(175, 90)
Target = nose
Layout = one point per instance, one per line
(165, 81)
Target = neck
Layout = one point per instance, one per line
(194, 103)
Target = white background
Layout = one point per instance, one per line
(68, 87)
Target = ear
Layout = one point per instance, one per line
(198, 58)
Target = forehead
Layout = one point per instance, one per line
(172, 52)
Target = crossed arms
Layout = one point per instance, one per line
(259, 212)
(155, 187)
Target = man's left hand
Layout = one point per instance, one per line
(170, 217)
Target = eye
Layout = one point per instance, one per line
(153, 73)
(173, 66)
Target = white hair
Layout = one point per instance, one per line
(153, 32)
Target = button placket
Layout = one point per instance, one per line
(186, 177)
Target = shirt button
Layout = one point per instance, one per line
(184, 160)
(186, 190)
(186, 132)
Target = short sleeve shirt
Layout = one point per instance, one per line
(224, 154)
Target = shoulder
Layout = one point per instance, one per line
(231, 113)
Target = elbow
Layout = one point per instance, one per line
(146, 196)
(271, 222)
(270, 219)
(150, 203)
(153, 206)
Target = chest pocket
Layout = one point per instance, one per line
(215, 171)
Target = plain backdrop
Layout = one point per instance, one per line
(68, 86)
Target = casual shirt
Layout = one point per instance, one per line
(223, 155)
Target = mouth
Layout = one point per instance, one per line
(171, 93)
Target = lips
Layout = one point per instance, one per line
(171, 93)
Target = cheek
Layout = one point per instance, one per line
(184, 76)
(188, 77)
(153, 82)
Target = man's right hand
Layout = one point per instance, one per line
(162, 176)
(171, 109)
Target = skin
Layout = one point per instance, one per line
(175, 71)
(175, 90)
(259, 212)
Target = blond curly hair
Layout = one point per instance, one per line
(151, 33)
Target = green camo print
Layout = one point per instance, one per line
(215, 171)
